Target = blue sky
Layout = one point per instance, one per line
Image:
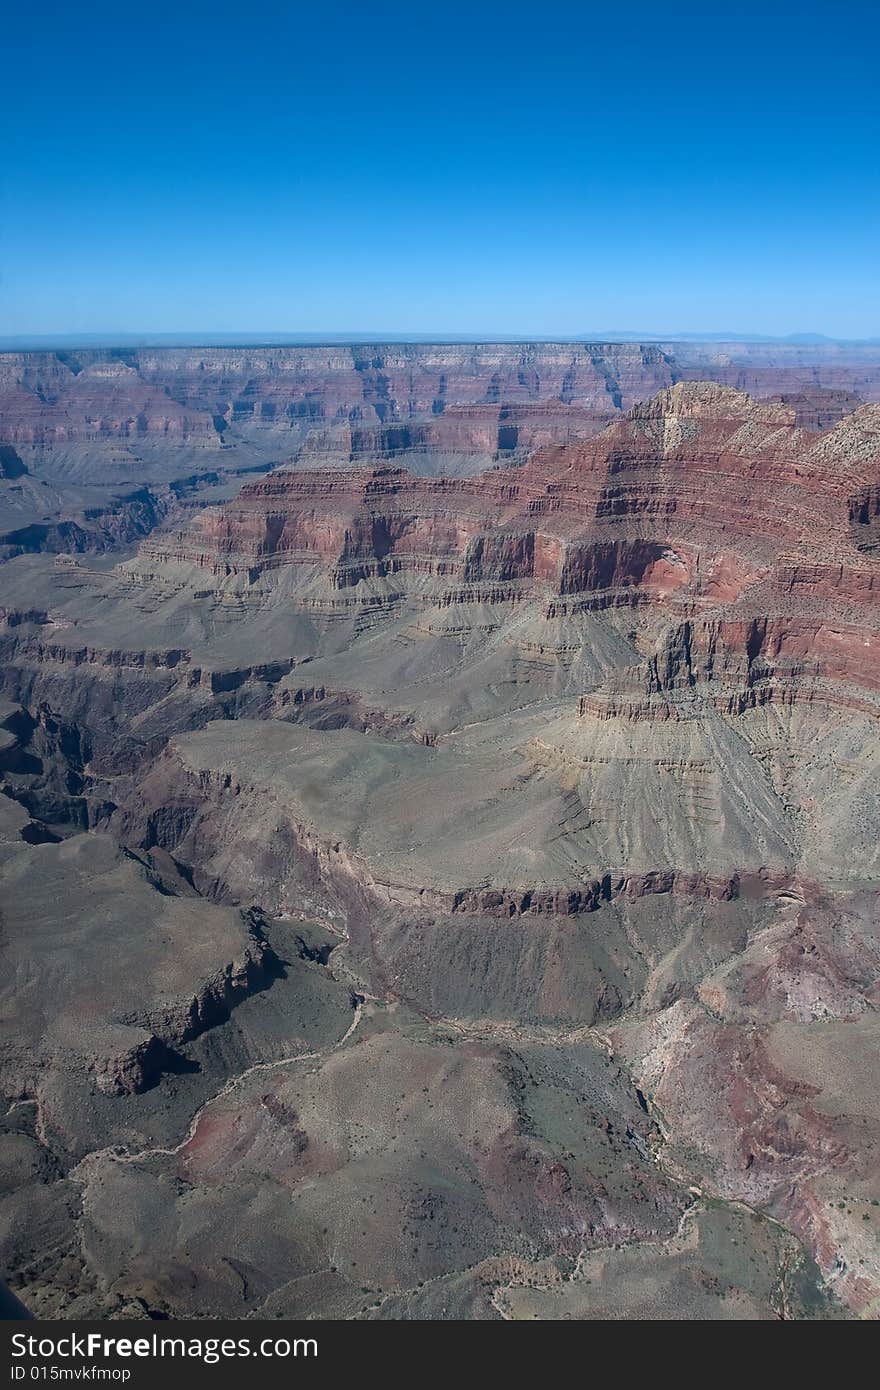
(537, 169)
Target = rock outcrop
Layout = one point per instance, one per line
(106, 974)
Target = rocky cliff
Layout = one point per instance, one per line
(94, 428)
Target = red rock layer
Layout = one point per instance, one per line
(756, 535)
(730, 484)
(194, 394)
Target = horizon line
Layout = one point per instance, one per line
(13, 342)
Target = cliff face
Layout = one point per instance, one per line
(472, 401)
(93, 429)
(502, 395)
(50, 399)
(700, 490)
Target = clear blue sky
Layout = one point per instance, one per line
(444, 167)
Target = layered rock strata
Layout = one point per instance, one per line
(579, 760)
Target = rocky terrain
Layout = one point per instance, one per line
(98, 447)
(441, 873)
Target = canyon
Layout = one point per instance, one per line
(439, 839)
(98, 446)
